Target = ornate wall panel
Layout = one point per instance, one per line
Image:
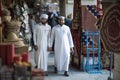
(110, 31)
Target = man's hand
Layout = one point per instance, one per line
(72, 51)
(49, 48)
(35, 47)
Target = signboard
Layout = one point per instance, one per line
(70, 1)
(88, 2)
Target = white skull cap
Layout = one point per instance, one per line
(61, 17)
(44, 16)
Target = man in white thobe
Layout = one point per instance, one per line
(41, 40)
(63, 45)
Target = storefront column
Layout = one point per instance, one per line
(62, 5)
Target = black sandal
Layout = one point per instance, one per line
(66, 73)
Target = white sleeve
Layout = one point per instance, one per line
(70, 39)
(49, 34)
(35, 35)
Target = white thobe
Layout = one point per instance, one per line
(63, 42)
(42, 39)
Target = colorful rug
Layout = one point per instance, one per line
(110, 29)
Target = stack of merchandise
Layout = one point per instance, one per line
(13, 26)
(7, 53)
(22, 70)
(5, 18)
(37, 74)
(8, 56)
(20, 47)
(11, 30)
(6, 73)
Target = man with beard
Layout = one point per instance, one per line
(62, 46)
(41, 40)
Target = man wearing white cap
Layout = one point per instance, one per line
(63, 45)
(41, 40)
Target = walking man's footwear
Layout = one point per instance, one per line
(66, 74)
(36, 66)
(56, 71)
(46, 74)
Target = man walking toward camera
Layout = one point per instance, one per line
(62, 46)
(41, 40)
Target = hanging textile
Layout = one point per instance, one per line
(110, 28)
